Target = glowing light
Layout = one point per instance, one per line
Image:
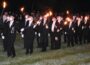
(47, 15)
(4, 4)
(86, 18)
(22, 9)
(68, 19)
(65, 23)
(46, 26)
(50, 13)
(67, 12)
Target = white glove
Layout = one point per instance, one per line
(74, 31)
(35, 33)
(22, 35)
(82, 27)
(46, 26)
(72, 28)
(58, 30)
(22, 30)
(65, 33)
(38, 22)
(3, 37)
(56, 38)
(34, 26)
(39, 34)
(48, 35)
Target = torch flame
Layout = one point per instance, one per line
(50, 13)
(86, 18)
(67, 12)
(68, 19)
(4, 4)
(47, 15)
(65, 23)
(22, 9)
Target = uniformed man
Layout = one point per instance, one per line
(55, 39)
(70, 33)
(79, 30)
(85, 29)
(44, 34)
(65, 30)
(75, 27)
(59, 25)
(28, 34)
(38, 34)
(10, 36)
(4, 24)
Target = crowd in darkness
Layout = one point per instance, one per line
(75, 30)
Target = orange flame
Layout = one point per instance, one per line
(50, 13)
(4, 4)
(86, 17)
(67, 12)
(47, 15)
(22, 9)
(68, 19)
(65, 23)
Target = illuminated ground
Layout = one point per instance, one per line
(78, 55)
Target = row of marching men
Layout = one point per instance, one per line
(75, 30)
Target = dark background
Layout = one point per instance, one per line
(56, 5)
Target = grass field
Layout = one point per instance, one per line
(78, 55)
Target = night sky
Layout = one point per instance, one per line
(56, 5)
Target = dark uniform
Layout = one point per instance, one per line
(3, 27)
(75, 31)
(79, 32)
(37, 32)
(10, 36)
(5, 34)
(65, 31)
(1, 32)
(44, 35)
(29, 37)
(59, 25)
(89, 32)
(70, 34)
(55, 35)
(85, 29)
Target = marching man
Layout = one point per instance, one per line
(28, 34)
(9, 35)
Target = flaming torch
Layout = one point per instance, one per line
(48, 14)
(86, 18)
(4, 5)
(22, 9)
(65, 23)
(67, 12)
(68, 19)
